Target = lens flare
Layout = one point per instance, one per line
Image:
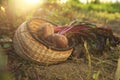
(63, 1)
(24, 6)
(2, 8)
(32, 2)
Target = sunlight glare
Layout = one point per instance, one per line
(32, 2)
(2, 8)
(63, 1)
(23, 6)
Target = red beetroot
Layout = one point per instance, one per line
(45, 30)
(60, 41)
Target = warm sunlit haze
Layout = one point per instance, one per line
(21, 6)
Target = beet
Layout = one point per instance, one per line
(45, 30)
(60, 41)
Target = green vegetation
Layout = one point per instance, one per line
(102, 7)
(98, 13)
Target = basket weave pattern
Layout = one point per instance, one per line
(27, 47)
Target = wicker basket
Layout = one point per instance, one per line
(28, 46)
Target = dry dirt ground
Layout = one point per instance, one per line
(101, 68)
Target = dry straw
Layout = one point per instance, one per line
(30, 47)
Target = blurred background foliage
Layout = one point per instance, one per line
(15, 12)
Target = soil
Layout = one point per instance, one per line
(101, 68)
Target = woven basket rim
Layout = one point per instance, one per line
(42, 42)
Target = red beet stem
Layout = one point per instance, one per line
(63, 30)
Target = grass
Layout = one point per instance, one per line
(100, 7)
